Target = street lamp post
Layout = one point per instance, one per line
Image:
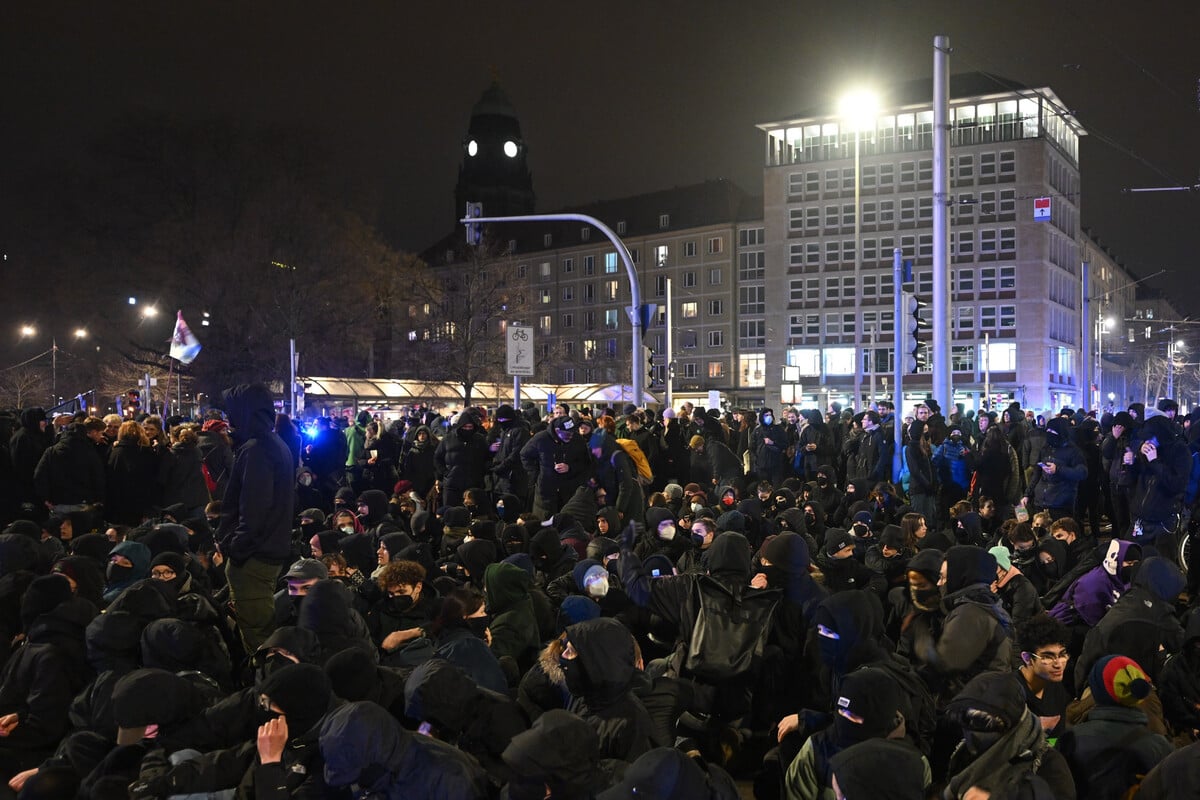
(859, 108)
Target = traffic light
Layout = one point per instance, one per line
(914, 358)
(474, 229)
(648, 362)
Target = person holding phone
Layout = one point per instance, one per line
(1155, 473)
(1060, 469)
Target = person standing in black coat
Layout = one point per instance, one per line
(70, 474)
(768, 448)
(461, 459)
(255, 535)
(562, 462)
(181, 474)
(132, 476)
(511, 435)
(26, 447)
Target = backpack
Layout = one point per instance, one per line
(730, 631)
(632, 449)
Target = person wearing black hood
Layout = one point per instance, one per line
(768, 447)
(327, 611)
(559, 458)
(827, 493)
(842, 570)
(598, 664)
(26, 447)
(363, 744)
(1003, 748)
(418, 465)
(975, 634)
(256, 514)
(560, 753)
(282, 763)
(1155, 477)
(552, 558)
(42, 676)
(70, 474)
(1060, 468)
(888, 559)
(461, 458)
(511, 435)
(1145, 615)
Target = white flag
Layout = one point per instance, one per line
(184, 347)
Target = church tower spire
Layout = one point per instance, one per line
(494, 170)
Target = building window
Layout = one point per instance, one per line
(1008, 162)
(716, 244)
(962, 358)
(1008, 202)
(716, 308)
(689, 369)
(589, 321)
(987, 241)
(589, 293)
(621, 227)
(610, 262)
(714, 276)
(716, 338)
(1001, 356)
(689, 280)
(589, 349)
(547, 239)
(965, 243)
(585, 234)
(752, 266)
(689, 249)
(610, 291)
(887, 176)
(589, 265)
(1008, 240)
(1008, 277)
(987, 318)
(635, 255)
(568, 265)
(716, 369)
(1008, 316)
(544, 323)
(569, 348)
(660, 285)
(664, 220)
(689, 310)
(796, 291)
(966, 280)
(812, 253)
(568, 293)
(522, 270)
(752, 300)
(568, 375)
(568, 320)
(966, 168)
(964, 319)
(987, 279)
(832, 289)
(752, 333)
(925, 283)
(869, 285)
(795, 184)
(610, 319)
(750, 237)
(987, 166)
(512, 246)
(545, 297)
(660, 255)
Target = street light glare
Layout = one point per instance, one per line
(149, 311)
(28, 330)
(858, 107)
(1108, 323)
(81, 333)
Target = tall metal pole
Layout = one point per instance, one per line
(292, 377)
(857, 403)
(942, 372)
(1171, 362)
(899, 347)
(53, 372)
(987, 371)
(1085, 314)
(635, 289)
(668, 359)
(517, 391)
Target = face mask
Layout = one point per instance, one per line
(667, 533)
(727, 501)
(1126, 573)
(400, 604)
(810, 519)
(573, 674)
(925, 599)
(830, 646)
(117, 573)
(768, 419)
(697, 508)
(776, 577)
(979, 741)
(861, 530)
(478, 625)
(598, 588)
(822, 480)
(1049, 568)
(500, 510)
(347, 529)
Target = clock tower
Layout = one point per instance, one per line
(494, 170)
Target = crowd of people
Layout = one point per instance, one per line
(600, 603)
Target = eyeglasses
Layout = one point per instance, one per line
(162, 573)
(1052, 657)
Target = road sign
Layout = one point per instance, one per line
(520, 350)
(1041, 209)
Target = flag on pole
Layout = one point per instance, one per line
(184, 347)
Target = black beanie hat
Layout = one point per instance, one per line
(505, 412)
(353, 675)
(302, 692)
(967, 564)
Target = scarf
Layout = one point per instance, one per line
(1001, 765)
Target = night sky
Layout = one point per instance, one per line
(615, 98)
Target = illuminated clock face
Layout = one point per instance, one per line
(510, 149)
(472, 147)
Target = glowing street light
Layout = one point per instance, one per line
(81, 333)
(149, 311)
(28, 330)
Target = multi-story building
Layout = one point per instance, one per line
(1015, 280)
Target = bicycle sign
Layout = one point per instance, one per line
(519, 340)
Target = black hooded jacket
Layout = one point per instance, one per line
(71, 471)
(26, 447)
(256, 517)
(602, 674)
(462, 456)
(1156, 487)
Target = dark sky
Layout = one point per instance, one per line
(615, 98)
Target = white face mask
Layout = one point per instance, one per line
(667, 533)
(697, 508)
(598, 588)
(347, 529)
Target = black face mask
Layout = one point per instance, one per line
(1126, 573)
(926, 599)
(118, 574)
(573, 675)
(399, 604)
(264, 670)
(1049, 568)
(776, 577)
(822, 480)
(477, 625)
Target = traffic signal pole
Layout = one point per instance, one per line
(636, 318)
(899, 350)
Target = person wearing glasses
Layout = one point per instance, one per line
(1043, 641)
